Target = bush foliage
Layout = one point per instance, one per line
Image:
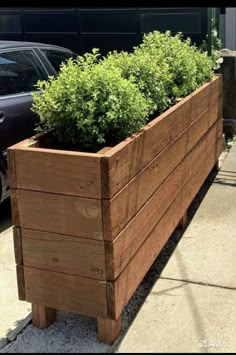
(97, 101)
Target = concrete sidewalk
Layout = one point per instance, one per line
(14, 314)
(192, 306)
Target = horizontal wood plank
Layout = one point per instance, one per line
(60, 172)
(66, 292)
(124, 246)
(118, 211)
(125, 285)
(17, 245)
(63, 214)
(63, 253)
(126, 159)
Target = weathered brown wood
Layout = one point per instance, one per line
(118, 211)
(126, 159)
(42, 316)
(66, 292)
(63, 253)
(11, 167)
(125, 245)
(17, 245)
(14, 207)
(74, 173)
(20, 282)
(104, 150)
(125, 285)
(63, 214)
(108, 330)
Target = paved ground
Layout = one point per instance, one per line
(13, 313)
(190, 307)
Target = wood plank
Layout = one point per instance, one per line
(108, 330)
(17, 245)
(14, 207)
(125, 285)
(124, 246)
(63, 253)
(42, 316)
(118, 211)
(126, 159)
(58, 171)
(63, 214)
(66, 292)
(11, 167)
(20, 282)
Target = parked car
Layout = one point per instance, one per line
(22, 64)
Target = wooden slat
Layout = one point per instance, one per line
(42, 316)
(124, 246)
(66, 292)
(125, 285)
(20, 282)
(14, 207)
(108, 330)
(126, 159)
(63, 214)
(118, 211)
(11, 167)
(17, 245)
(63, 253)
(73, 173)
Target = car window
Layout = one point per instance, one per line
(19, 72)
(56, 58)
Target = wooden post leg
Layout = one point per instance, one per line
(108, 330)
(42, 316)
(183, 221)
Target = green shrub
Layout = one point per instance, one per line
(98, 101)
(88, 105)
(183, 59)
(151, 78)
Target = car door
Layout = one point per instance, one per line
(20, 69)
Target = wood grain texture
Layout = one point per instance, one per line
(11, 167)
(126, 159)
(74, 173)
(20, 282)
(63, 253)
(42, 316)
(63, 214)
(17, 245)
(14, 207)
(124, 246)
(66, 292)
(118, 211)
(125, 285)
(108, 330)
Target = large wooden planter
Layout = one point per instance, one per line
(87, 227)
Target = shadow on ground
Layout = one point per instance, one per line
(5, 215)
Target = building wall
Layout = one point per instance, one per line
(230, 28)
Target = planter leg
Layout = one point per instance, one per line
(183, 221)
(108, 330)
(42, 316)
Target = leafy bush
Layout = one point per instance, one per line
(151, 78)
(184, 61)
(98, 101)
(88, 105)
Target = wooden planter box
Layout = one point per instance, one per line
(87, 227)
